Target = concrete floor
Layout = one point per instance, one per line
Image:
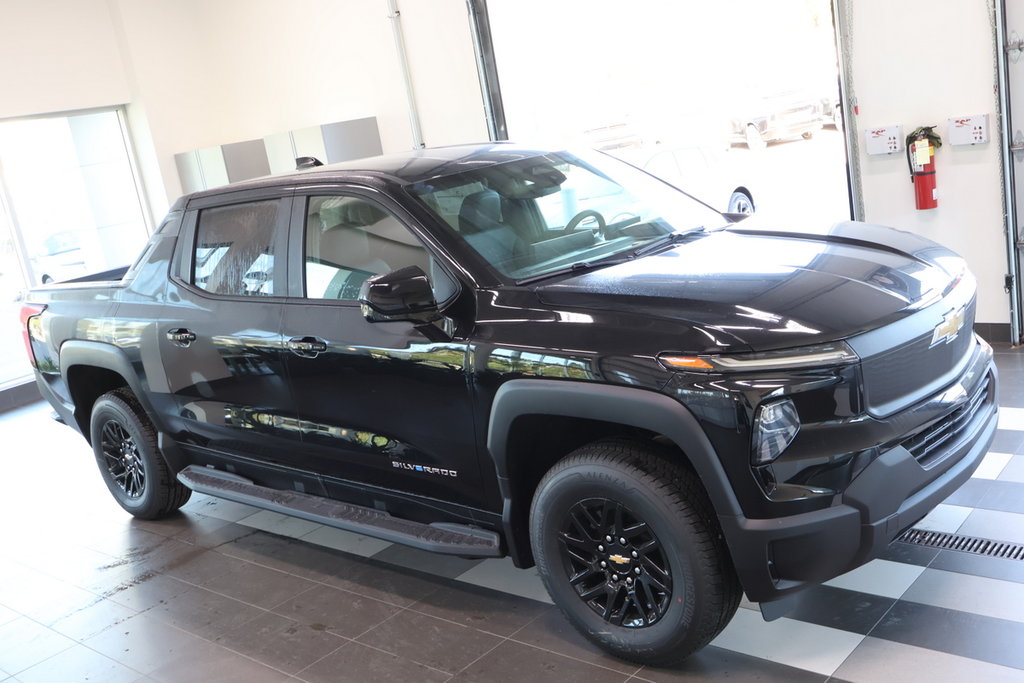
(226, 592)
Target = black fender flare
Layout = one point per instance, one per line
(100, 355)
(630, 406)
(109, 357)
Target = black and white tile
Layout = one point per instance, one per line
(228, 591)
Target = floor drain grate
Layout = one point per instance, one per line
(966, 544)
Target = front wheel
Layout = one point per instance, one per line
(125, 446)
(629, 550)
(741, 202)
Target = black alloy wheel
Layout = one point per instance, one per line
(129, 459)
(629, 548)
(616, 563)
(123, 460)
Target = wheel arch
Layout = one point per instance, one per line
(745, 190)
(586, 413)
(89, 370)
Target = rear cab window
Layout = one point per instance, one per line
(235, 249)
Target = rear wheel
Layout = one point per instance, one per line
(629, 550)
(124, 443)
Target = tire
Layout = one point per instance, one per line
(125, 446)
(808, 135)
(753, 137)
(673, 558)
(740, 202)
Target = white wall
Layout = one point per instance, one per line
(57, 55)
(197, 73)
(921, 62)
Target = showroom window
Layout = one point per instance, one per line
(70, 206)
(743, 94)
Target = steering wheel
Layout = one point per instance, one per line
(582, 216)
(625, 218)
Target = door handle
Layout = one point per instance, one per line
(307, 347)
(181, 337)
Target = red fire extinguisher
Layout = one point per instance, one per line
(921, 146)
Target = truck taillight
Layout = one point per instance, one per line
(28, 312)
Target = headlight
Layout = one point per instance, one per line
(775, 426)
(820, 355)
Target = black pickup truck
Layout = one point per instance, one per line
(489, 350)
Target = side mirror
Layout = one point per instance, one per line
(402, 294)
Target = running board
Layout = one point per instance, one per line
(440, 537)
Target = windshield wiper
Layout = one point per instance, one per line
(617, 257)
(674, 238)
(610, 260)
(580, 266)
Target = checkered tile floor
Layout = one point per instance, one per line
(227, 592)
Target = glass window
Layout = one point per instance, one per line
(72, 194)
(349, 239)
(69, 206)
(13, 360)
(540, 215)
(693, 84)
(234, 251)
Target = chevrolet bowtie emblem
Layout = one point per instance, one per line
(618, 559)
(946, 331)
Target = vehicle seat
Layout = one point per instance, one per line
(481, 226)
(525, 215)
(480, 211)
(342, 242)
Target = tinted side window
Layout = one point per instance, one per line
(234, 251)
(349, 239)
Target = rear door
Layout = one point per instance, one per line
(220, 337)
(384, 404)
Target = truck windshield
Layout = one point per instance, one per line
(543, 214)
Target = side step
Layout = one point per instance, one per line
(441, 537)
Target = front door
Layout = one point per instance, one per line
(383, 404)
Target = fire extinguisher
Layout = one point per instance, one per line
(921, 146)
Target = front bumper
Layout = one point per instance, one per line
(777, 557)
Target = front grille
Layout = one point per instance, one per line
(928, 444)
(907, 369)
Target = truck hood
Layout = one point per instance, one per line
(758, 288)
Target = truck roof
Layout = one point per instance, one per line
(399, 168)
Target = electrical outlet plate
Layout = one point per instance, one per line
(884, 139)
(968, 130)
